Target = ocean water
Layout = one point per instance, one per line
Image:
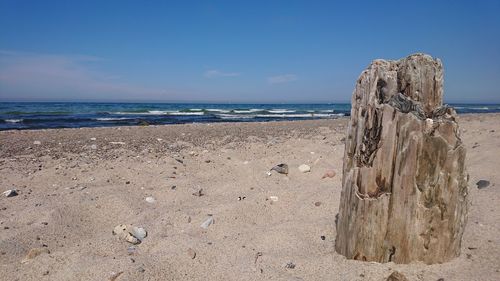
(28, 115)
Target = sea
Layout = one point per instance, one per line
(43, 115)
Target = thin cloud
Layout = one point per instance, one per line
(39, 76)
(213, 73)
(284, 78)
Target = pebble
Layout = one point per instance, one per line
(274, 198)
(317, 204)
(92, 139)
(199, 192)
(37, 143)
(35, 252)
(10, 193)
(304, 168)
(290, 265)
(133, 235)
(191, 253)
(482, 184)
(268, 173)
(281, 168)
(139, 233)
(207, 222)
(150, 199)
(115, 275)
(93, 146)
(396, 276)
(329, 174)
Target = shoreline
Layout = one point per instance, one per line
(213, 123)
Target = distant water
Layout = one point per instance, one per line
(74, 115)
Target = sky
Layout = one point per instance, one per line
(237, 51)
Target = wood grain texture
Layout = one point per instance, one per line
(404, 185)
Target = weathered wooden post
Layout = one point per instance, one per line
(404, 185)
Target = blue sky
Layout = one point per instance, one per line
(237, 51)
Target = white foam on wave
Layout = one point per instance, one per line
(158, 112)
(232, 116)
(305, 115)
(13, 120)
(281, 111)
(185, 113)
(112, 119)
(247, 110)
(218, 110)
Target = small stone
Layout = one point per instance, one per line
(139, 233)
(132, 235)
(92, 139)
(115, 275)
(304, 168)
(281, 168)
(268, 173)
(199, 192)
(93, 146)
(329, 174)
(317, 204)
(323, 237)
(207, 222)
(440, 279)
(131, 250)
(10, 193)
(191, 253)
(273, 198)
(127, 182)
(141, 269)
(150, 199)
(208, 161)
(396, 276)
(35, 252)
(191, 153)
(482, 184)
(290, 265)
(37, 143)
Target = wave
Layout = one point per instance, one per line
(281, 111)
(185, 113)
(306, 115)
(233, 116)
(191, 110)
(218, 110)
(13, 120)
(252, 110)
(113, 119)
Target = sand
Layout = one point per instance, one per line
(74, 189)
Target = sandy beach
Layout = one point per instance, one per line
(76, 185)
